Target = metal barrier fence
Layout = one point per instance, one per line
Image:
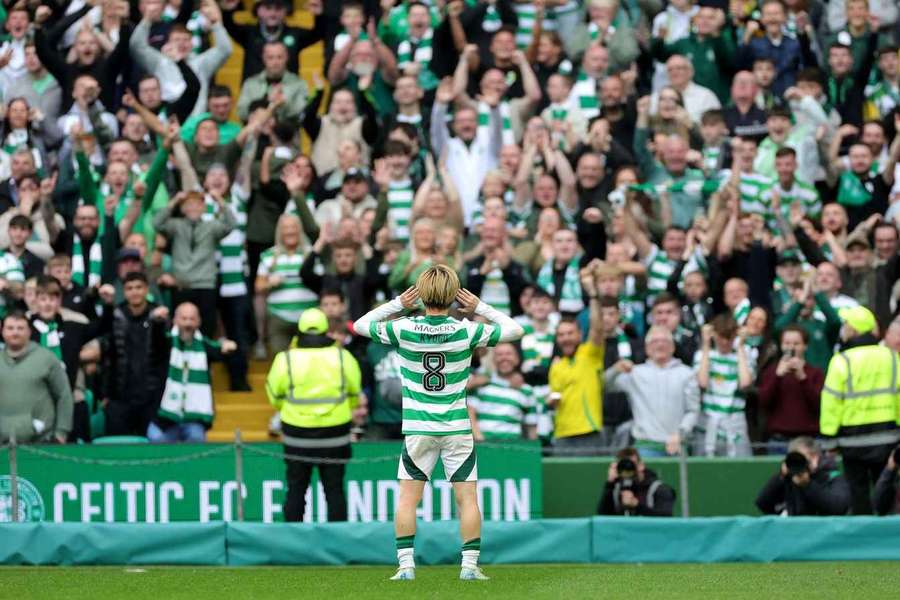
(241, 450)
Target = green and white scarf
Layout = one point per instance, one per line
(742, 311)
(584, 94)
(188, 394)
(884, 97)
(623, 346)
(711, 156)
(400, 202)
(570, 299)
(492, 21)
(484, 122)
(558, 112)
(852, 191)
(91, 277)
(421, 55)
(49, 336)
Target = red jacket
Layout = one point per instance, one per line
(791, 406)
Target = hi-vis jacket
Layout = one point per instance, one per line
(314, 387)
(860, 400)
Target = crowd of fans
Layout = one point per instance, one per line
(721, 174)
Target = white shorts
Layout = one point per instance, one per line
(421, 452)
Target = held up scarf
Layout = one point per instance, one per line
(188, 394)
(570, 298)
(91, 276)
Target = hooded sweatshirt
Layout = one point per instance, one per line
(664, 400)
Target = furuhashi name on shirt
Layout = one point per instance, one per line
(435, 334)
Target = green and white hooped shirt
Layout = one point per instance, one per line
(288, 300)
(435, 354)
(502, 410)
(723, 394)
(495, 292)
(400, 195)
(231, 255)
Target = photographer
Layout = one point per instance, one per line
(808, 484)
(633, 489)
(886, 496)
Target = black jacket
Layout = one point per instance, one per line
(105, 69)
(886, 495)
(75, 330)
(251, 39)
(827, 494)
(359, 290)
(128, 378)
(655, 498)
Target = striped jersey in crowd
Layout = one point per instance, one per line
(231, 255)
(502, 409)
(723, 394)
(435, 354)
(400, 195)
(288, 300)
(525, 16)
(495, 291)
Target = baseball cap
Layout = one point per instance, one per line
(312, 320)
(789, 256)
(858, 241)
(859, 318)
(356, 174)
(128, 254)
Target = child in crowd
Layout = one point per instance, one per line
(724, 372)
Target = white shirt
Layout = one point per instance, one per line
(467, 163)
(697, 100)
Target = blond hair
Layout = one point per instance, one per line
(437, 286)
(283, 220)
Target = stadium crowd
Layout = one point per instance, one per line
(722, 175)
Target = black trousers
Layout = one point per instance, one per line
(205, 300)
(298, 476)
(862, 467)
(235, 313)
(129, 419)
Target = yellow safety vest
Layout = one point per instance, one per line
(314, 387)
(860, 399)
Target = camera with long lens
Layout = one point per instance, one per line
(627, 474)
(796, 463)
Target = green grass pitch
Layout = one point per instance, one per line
(633, 582)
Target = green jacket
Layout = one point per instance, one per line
(713, 59)
(193, 245)
(823, 335)
(48, 399)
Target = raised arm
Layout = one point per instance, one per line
(894, 156)
(439, 133)
(363, 325)
(150, 119)
(189, 179)
(510, 331)
(634, 232)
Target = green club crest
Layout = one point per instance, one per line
(31, 504)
